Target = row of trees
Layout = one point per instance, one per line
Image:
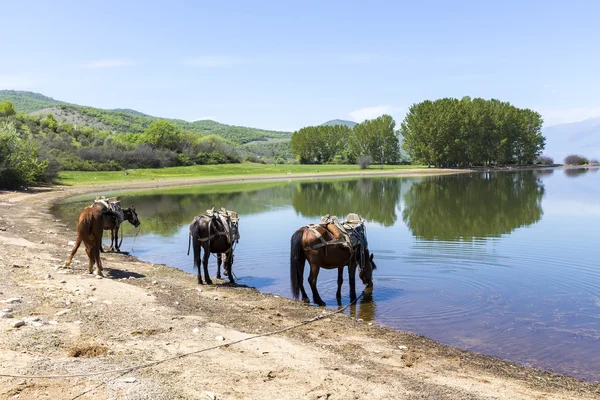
(466, 132)
(376, 139)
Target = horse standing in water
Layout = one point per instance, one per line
(90, 225)
(214, 234)
(322, 247)
(114, 222)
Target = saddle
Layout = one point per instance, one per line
(224, 220)
(349, 233)
(113, 204)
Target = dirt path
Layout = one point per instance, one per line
(78, 324)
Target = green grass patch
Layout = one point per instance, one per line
(213, 171)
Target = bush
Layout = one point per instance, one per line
(594, 161)
(575, 159)
(364, 161)
(19, 159)
(544, 160)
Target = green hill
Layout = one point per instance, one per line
(28, 102)
(127, 120)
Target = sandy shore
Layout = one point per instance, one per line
(78, 324)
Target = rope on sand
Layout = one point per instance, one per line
(152, 363)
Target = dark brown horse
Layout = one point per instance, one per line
(305, 245)
(210, 235)
(90, 226)
(113, 223)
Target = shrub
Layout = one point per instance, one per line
(19, 159)
(575, 159)
(544, 160)
(364, 161)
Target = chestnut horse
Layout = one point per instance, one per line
(113, 223)
(305, 245)
(90, 226)
(210, 235)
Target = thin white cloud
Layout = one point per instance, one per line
(214, 61)
(106, 63)
(372, 112)
(16, 82)
(566, 115)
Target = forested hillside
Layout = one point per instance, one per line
(128, 121)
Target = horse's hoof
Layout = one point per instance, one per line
(321, 304)
(306, 300)
(209, 282)
(218, 276)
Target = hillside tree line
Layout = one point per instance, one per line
(375, 139)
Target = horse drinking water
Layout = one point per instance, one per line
(113, 222)
(330, 244)
(90, 226)
(215, 232)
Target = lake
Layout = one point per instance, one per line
(503, 263)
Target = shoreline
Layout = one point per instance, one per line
(148, 312)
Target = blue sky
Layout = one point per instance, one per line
(283, 65)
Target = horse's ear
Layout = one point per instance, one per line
(372, 254)
(132, 208)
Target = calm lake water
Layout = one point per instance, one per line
(503, 263)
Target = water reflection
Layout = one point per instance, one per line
(374, 199)
(365, 308)
(468, 207)
(575, 172)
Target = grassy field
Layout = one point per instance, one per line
(213, 171)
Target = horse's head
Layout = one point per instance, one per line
(235, 232)
(131, 216)
(365, 272)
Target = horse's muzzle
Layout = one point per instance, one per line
(369, 284)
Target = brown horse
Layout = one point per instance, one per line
(113, 223)
(305, 245)
(89, 231)
(210, 235)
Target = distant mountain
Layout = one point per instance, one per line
(333, 122)
(127, 120)
(581, 137)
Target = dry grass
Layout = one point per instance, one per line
(87, 351)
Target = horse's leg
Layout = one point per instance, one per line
(338, 294)
(219, 262)
(205, 266)
(90, 254)
(229, 267)
(312, 280)
(301, 278)
(352, 280)
(75, 248)
(117, 239)
(97, 256)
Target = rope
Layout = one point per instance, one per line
(152, 363)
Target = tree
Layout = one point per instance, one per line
(378, 139)
(450, 132)
(6, 109)
(162, 134)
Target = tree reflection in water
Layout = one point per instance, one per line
(472, 206)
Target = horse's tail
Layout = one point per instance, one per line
(297, 260)
(193, 240)
(189, 242)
